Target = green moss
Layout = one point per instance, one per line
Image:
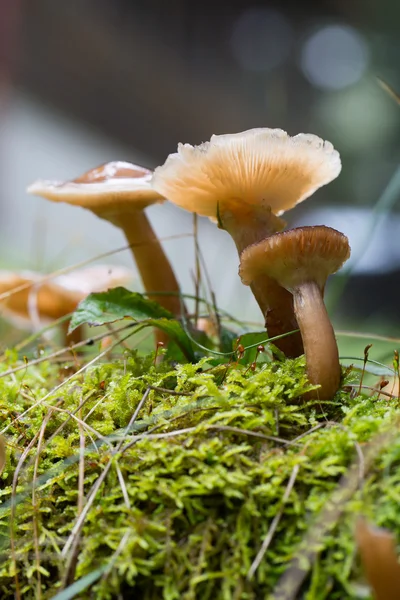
(182, 515)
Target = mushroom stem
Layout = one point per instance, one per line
(247, 227)
(320, 347)
(276, 304)
(153, 265)
(249, 224)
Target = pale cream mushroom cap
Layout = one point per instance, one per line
(257, 167)
(296, 256)
(98, 278)
(115, 187)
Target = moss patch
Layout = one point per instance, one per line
(178, 503)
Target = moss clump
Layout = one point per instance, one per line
(178, 503)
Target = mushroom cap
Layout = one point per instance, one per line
(49, 300)
(97, 278)
(296, 256)
(256, 167)
(52, 299)
(115, 187)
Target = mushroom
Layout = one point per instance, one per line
(42, 302)
(245, 181)
(119, 192)
(301, 260)
(377, 547)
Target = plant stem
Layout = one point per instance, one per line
(320, 347)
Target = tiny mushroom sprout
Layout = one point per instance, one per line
(42, 300)
(119, 192)
(301, 260)
(245, 181)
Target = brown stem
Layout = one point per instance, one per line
(320, 347)
(250, 226)
(276, 304)
(153, 265)
(76, 336)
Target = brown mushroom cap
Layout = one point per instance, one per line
(257, 167)
(55, 298)
(113, 187)
(51, 301)
(296, 256)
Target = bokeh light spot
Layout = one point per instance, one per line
(334, 57)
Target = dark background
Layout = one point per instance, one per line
(150, 73)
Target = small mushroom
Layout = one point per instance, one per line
(119, 192)
(42, 302)
(377, 548)
(301, 260)
(245, 181)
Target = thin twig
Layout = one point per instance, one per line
(2, 454)
(388, 88)
(274, 524)
(12, 513)
(171, 392)
(123, 486)
(114, 557)
(270, 438)
(373, 389)
(215, 314)
(75, 533)
(62, 384)
(81, 472)
(70, 416)
(291, 581)
(83, 263)
(197, 276)
(49, 357)
(35, 505)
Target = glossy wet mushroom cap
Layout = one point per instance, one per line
(110, 188)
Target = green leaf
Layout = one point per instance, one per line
(118, 303)
(372, 367)
(78, 586)
(228, 338)
(176, 332)
(251, 341)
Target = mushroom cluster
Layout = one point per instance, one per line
(244, 182)
(119, 192)
(301, 260)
